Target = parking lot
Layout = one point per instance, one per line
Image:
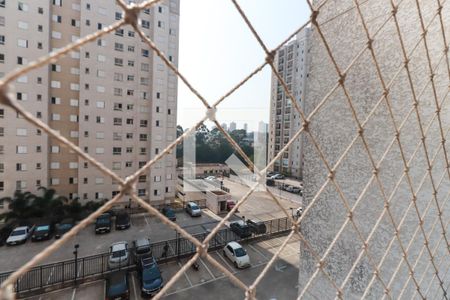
(142, 225)
(260, 205)
(208, 282)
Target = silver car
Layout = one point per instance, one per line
(193, 209)
(118, 255)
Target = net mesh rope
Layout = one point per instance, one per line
(428, 256)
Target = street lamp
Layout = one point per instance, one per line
(75, 253)
(292, 212)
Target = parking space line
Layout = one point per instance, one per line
(206, 267)
(73, 294)
(104, 289)
(223, 259)
(146, 221)
(134, 285)
(185, 275)
(257, 251)
(288, 245)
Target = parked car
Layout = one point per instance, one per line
(103, 223)
(118, 255)
(42, 232)
(234, 252)
(296, 190)
(240, 228)
(270, 174)
(288, 188)
(19, 235)
(122, 220)
(150, 276)
(117, 286)
(63, 227)
(230, 204)
(210, 178)
(169, 213)
(270, 182)
(257, 227)
(193, 209)
(141, 248)
(5, 231)
(298, 212)
(277, 176)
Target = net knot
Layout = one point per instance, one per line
(131, 14)
(211, 113)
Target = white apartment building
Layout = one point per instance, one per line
(292, 61)
(114, 98)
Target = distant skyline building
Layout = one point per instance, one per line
(292, 61)
(224, 126)
(113, 98)
(246, 127)
(232, 126)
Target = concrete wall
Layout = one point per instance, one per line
(334, 128)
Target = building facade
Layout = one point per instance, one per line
(292, 61)
(113, 98)
(328, 225)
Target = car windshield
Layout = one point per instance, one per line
(103, 221)
(170, 213)
(194, 207)
(142, 250)
(65, 226)
(43, 228)
(119, 253)
(240, 252)
(18, 232)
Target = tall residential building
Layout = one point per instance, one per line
(232, 126)
(113, 98)
(245, 127)
(292, 61)
(224, 126)
(388, 205)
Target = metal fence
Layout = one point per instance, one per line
(71, 271)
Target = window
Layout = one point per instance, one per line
(117, 92)
(54, 181)
(73, 165)
(117, 121)
(129, 135)
(22, 96)
(100, 120)
(128, 164)
(56, 117)
(73, 102)
(56, 68)
(2, 113)
(99, 150)
(130, 92)
(40, 10)
(99, 180)
(73, 118)
(38, 166)
(54, 165)
(145, 52)
(118, 106)
(145, 24)
(56, 35)
(21, 132)
(2, 167)
(144, 81)
(73, 180)
(156, 150)
(118, 77)
(2, 40)
(40, 28)
(129, 149)
(160, 24)
(55, 100)
(118, 62)
(143, 123)
(74, 86)
(118, 47)
(100, 104)
(22, 79)
(169, 112)
(156, 192)
(131, 33)
(160, 10)
(145, 67)
(117, 136)
(130, 77)
(131, 63)
(74, 134)
(157, 109)
(130, 48)
(2, 4)
(55, 149)
(143, 151)
(57, 2)
(141, 192)
(130, 106)
(117, 150)
(101, 58)
(119, 32)
(143, 137)
(158, 95)
(55, 84)
(21, 24)
(157, 179)
(130, 121)
(118, 15)
(116, 166)
(39, 45)
(157, 123)
(2, 58)
(99, 26)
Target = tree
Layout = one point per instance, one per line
(49, 205)
(20, 206)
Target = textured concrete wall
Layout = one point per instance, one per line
(334, 128)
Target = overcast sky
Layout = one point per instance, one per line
(217, 51)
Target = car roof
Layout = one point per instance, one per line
(21, 228)
(240, 222)
(119, 246)
(142, 242)
(148, 261)
(234, 245)
(117, 277)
